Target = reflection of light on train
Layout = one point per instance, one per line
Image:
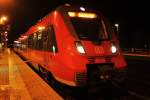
(74, 45)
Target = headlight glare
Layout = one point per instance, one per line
(113, 49)
(80, 48)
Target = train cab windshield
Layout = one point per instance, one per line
(89, 26)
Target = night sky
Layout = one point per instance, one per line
(133, 17)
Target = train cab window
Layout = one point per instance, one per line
(109, 27)
(91, 29)
(49, 40)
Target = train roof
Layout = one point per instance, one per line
(61, 9)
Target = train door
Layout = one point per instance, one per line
(46, 59)
(49, 46)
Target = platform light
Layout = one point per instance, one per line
(3, 19)
(117, 27)
(6, 32)
(82, 8)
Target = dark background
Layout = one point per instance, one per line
(132, 17)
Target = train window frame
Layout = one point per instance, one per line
(79, 31)
(102, 24)
(109, 28)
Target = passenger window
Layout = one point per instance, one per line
(34, 40)
(45, 40)
(30, 40)
(39, 40)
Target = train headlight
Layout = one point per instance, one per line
(113, 49)
(80, 48)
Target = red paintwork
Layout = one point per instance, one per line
(68, 61)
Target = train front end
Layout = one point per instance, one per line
(94, 52)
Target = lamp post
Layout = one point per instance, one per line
(117, 27)
(3, 19)
(4, 30)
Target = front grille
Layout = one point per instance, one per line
(80, 78)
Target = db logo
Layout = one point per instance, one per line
(99, 50)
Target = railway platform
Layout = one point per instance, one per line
(19, 82)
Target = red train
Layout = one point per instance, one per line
(74, 45)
